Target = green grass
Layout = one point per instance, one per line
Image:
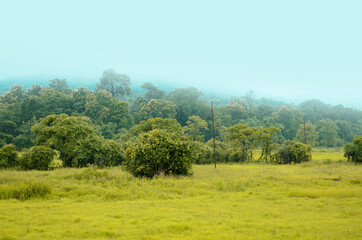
(317, 200)
(328, 154)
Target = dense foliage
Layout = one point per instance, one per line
(8, 156)
(353, 151)
(159, 152)
(95, 127)
(76, 141)
(294, 152)
(38, 157)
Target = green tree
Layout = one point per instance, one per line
(290, 119)
(353, 151)
(112, 154)
(102, 107)
(65, 134)
(158, 108)
(236, 108)
(328, 133)
(41, 157)
(232, 113)
(188, 104)
(223, 150)
(153, 92)
(194, 126)
(15, 94)
(79, 97)
(264, 111)
(310, 134)
(8, 130)
(95, 150)
(35, 90)
(241, 138)
(117, 84)
(294, 152)
(203, 154)
(32, 106)
(267, 139)
(314, 110)
(8, 156)
(26, 137)
(107, 130)
(167, 124)
(249, 99)
(60, 85)
(55, 102)
(159, 152)
(345, 131)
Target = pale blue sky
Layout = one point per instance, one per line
(290, 50)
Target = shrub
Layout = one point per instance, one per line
(25, 160)
(353, 151)
(109, 155)
(203, 154)
(95, 150)
(158, 151)
(55, 163)
(8, 156)
(223, 150)
(236, 156)
(38, 157)
(293, 152)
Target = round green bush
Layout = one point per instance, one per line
(236, 156)
(159, 152)
(293, 152)
(353, 151)
(8, 156)
(41, 157)
(25, 160)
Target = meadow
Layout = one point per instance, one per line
(321, 199)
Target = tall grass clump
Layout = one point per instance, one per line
(25, 191)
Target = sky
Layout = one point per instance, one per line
(286, 50)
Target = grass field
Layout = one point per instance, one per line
(321, 199)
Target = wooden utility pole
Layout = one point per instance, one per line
(213, 131)
(305, 135)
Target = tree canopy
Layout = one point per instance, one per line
(117, 84)
(95, 127)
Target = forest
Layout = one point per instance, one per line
(104, 126)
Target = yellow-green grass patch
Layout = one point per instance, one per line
(251, 201)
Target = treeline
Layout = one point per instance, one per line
(158, 132)
(152, 147)
(113, 110)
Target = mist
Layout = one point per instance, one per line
(282, 50)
